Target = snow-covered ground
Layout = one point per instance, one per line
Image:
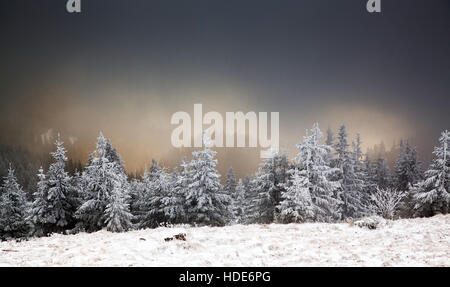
(409, 242)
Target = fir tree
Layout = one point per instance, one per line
(329, 157)
(100, 179)
(330, 137)
(362, 175)
(142, 191)
(382, 173)
(117, 213)
(341, 147)
(250, 197)
(230, 184)
(157, 202)
(181, 184)
(239, 203)
(407, 168)
(39, 206)
(318, 176)
(297, 205)
(269, 184)
(432, 194)
(53, 209)
(155, 169)
(113, 156)
(368, 174)
(350, 175)
(13, 209)
(230, 189)
(136, 195)
(408, 171)
(206, 203)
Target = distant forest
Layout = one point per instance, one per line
(27, 163)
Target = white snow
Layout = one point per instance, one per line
(407, 242)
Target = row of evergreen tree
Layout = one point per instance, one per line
(325, 182)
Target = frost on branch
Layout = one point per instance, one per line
(385, 202)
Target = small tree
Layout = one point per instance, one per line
(384, 202)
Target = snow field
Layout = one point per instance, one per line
(406, 242)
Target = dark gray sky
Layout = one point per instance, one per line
(125, 66)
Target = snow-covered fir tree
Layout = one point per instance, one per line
(206, 203)
(432, 194)
(230, 183)
(173, 203)
(416, 167)
(297, 205)
(142, 195)
(77, 185)
(362, 172)
(408, 171)
(368, 168)
(39, 205)
(315, 176)
(350, 177)
(382, 173)
(401, 168)
(341, 147)
(407, 168)
(136, 194)
(139, 192)
(163, 202)
(357, 151)
(56, 200)
(329, 158)
(230, 189)
(330, 137)
(239, 203)
(118, 217)
(177, 203)
(156, 185)
(155, 169)
(268, 184)
(263, 184)
(13, 209)
(100, 178)
(248, 204)
(113, 156)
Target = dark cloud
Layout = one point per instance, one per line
(125, 66)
